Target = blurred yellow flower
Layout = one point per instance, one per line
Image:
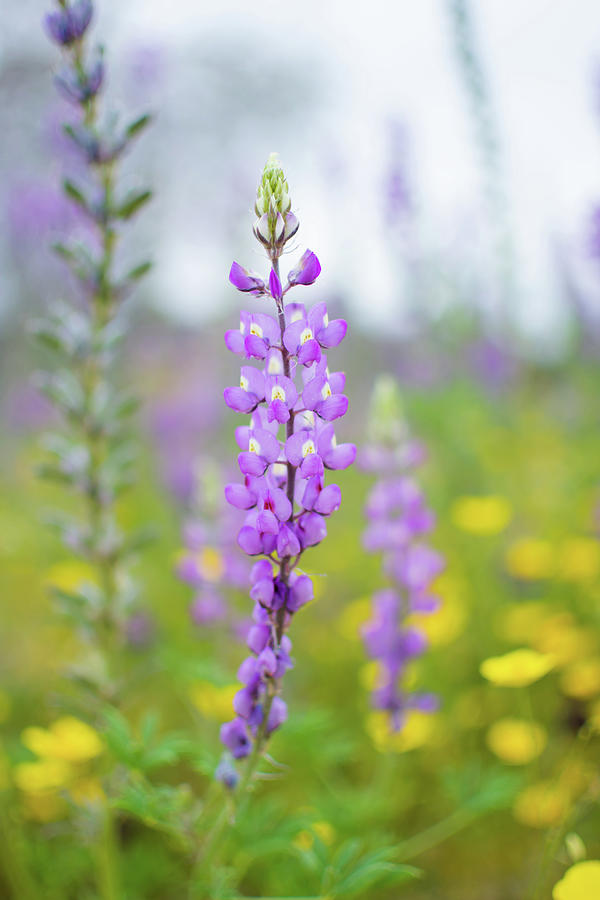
(518, 622)
(448, 622)
(516, 741)
(560, 636)
(70, 575)
(530, 559)
(212, 701)
(581, 679)
(481, 515)
(353, 617)
(542, 804)
(67, 739)
(42, 776)
(580, 882)
(305, 839)
(579, 559)
(418, 729)
(517, 668)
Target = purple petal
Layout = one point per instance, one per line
(333, 334)
(307, 271)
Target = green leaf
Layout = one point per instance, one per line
(73, 192)
(139, 271)
(138, 125)
(132, 203)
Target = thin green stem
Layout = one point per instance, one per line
(436, 834)
(107, 859)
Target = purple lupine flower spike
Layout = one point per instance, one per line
(284, 493)
(398, 519)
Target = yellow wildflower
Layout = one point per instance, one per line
(481, 515)
(580, 882)
(542, 804)
(44, 775)
(67, 739)
(516, 741)
(530, 559)
(212, 701)
(418, 729)
(564, 639)
(581, 679)
(517, 668)
(579, 559)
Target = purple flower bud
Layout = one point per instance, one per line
(275, 285)
(307, 271)
(227, 774)
(68, 24)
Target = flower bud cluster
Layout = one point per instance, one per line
(398, 520)
(283, 490)
(276, 222)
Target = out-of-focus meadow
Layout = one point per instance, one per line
(497, 792)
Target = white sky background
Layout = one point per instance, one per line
(381, 59)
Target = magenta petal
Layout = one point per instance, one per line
(239, 496)
(301, 592)
(309, 353)
(234, 341)
(333, 334)
(251, 463)
(329, 500)
(240, 400)
(249, 540)
(258, 638)
(333, 407)
(267, 523)
(244, 280)
(255, 346)
(307, 271)
(275, 285)
(340, 457)
(277, 714)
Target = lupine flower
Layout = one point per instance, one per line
(398, 520)
(283, 491)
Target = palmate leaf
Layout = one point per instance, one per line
(144, 753)
(158, 806)
(350, 872)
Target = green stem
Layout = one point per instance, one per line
(107, 858)
(436, 834)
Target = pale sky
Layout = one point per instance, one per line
(383, 59)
